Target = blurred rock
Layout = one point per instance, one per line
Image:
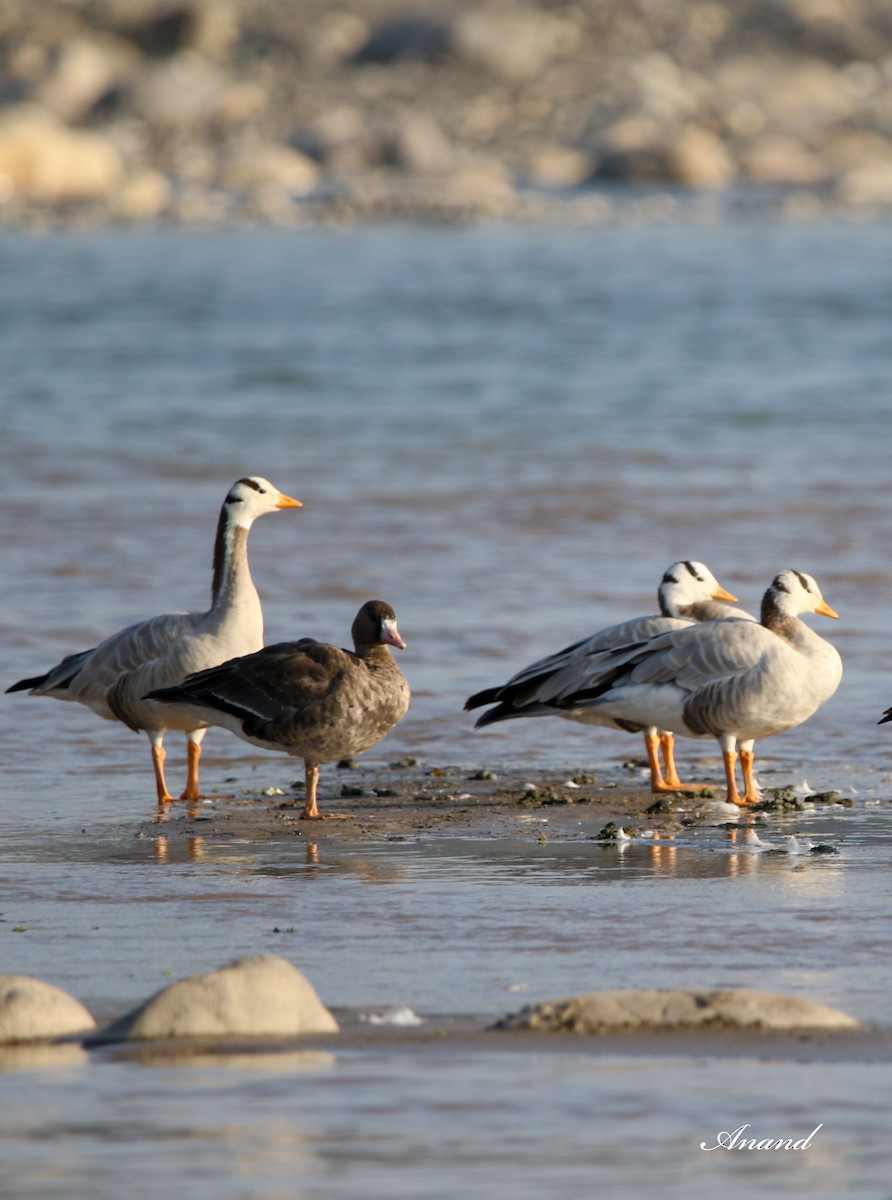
(251, 165)
(866, 186)
(180, 91)
(32, 1011)
(425, 39)
(549, 165)
(413, 141)
(170, 96)
(84, 71)
(697, 158)
(337, 36)
(208, 27)
(514, 43)
(43, 160)
(142, 197)
(781, 161)
(640, 150)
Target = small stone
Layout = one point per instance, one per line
(484, 773)
(348, 764)
(351, 790)
(610, 833)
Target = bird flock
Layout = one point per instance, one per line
(699, 668)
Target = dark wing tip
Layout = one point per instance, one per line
(167, 694)
(887, 716)
(25, 685)
(487, 696)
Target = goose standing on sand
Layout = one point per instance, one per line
(732, 680)
(688, 593)
(113, 678)
(307, 698)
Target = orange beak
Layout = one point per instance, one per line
(721, 594)
(825, 610)
(286, 502)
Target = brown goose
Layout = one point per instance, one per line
(114, 676)
(308, 698)
(688, 592)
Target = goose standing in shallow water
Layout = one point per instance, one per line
(688, 593)
(307, 698)
(732, 680)
(114, 676)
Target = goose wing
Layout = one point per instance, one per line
(534, 690)
(89, 676)
(706, 673)
(267, 694)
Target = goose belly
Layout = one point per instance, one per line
(639, 706)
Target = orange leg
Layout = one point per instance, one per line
(751, 791)
(311, 808)
(667, 745)
(652, 745)
(193, 751)
(730, 760)
(158, 756)
(671, 782)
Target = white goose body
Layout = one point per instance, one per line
(733, 680)
(689, 593)
(113, 677)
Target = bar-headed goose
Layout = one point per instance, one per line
(310, 699)
(114, 676)
(732, 680)
(688, 592)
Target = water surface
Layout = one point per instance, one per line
(508, 434)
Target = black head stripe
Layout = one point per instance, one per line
(802, 580)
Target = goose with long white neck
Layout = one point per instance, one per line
(113, 677)
(688, 592)
(733, 680)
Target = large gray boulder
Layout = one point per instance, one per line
(34, 1011)
(260, 996)
(623, 1010)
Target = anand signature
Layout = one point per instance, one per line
(736, 1140)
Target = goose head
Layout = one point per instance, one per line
(375, 625)
(252, 497)
(793, 593)
(686, 583)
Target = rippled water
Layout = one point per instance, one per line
(508, 434)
